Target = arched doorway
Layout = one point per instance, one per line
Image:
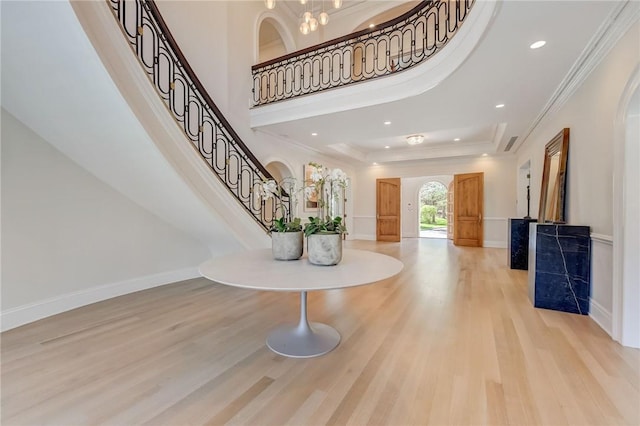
(270, 42)
(433, 198)
(283, 175)
(626, 246)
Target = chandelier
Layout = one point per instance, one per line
(309, 23)
(415, 139)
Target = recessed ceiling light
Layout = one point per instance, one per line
(485, 155)
(372, 25)
(387, 147)
(375, 164)
(538, 44)
(314, 134)
(456, 139)
(500, 106)
(386, 123)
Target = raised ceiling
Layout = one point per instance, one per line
(502, 69)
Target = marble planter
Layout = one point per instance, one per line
(287, 245)
(324, 249)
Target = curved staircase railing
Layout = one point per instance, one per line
(393, 46)
(194, 110)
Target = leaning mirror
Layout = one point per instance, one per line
(554, 177)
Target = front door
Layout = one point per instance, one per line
(388, 209)
(468, 208)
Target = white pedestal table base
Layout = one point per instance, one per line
(303, 340)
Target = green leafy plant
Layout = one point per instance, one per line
(283, 225)
(328, 226)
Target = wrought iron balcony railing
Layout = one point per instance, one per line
(393, 46)
(194, 111)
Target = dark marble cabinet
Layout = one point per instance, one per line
(519, 243)
(559, 267)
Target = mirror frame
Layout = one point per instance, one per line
(558, 145)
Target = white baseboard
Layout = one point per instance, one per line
(601, 316)
(15, 317)
(494, 244)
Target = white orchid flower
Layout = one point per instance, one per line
(268, 189)
(337, 175)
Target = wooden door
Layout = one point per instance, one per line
(468, 209)
(388, 209)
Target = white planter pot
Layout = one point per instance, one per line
(324, 249)
(287, 245)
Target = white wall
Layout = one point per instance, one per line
(590, 115)
(68, 239)
(499, 192)
(631, 265)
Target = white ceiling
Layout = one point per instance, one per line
(501, 70)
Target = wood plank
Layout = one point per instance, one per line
(453, 339)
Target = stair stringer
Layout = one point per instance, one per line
(103, 31)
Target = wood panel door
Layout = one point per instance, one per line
(388, 209)
(468, 209)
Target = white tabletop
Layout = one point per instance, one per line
(256, 269)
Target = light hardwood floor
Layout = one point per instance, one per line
(451, 340)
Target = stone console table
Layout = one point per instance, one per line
(519, 243)
(559, 267)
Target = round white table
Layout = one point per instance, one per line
(257, 270)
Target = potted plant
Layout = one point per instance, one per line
(286, 231)
(324, 232)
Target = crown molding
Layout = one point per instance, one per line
(622, 17)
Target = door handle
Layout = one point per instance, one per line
(479, 217)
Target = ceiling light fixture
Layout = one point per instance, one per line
(304, 28)
(456, 139)
(375, 164)
(387, 147)
(485, 155)
(372, 25)
(314, 134)
(386, 123)
(415, 139)
(311, 23)
(538, 44)
(270, 4)
(500, 106)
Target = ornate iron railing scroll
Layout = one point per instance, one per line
(393, 46)
(194, 110)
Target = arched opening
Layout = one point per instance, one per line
(433, 200)
(283, 175)
(270, 42)
(626, 249)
